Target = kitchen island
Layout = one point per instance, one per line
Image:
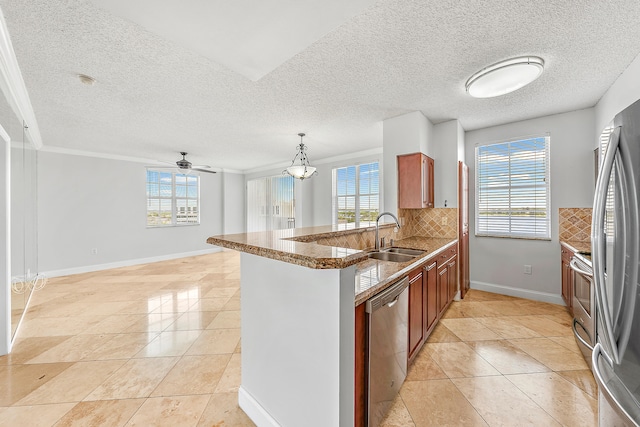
(298, 300)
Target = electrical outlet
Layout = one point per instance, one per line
(444, 220)
(94, 251)
(527, 269)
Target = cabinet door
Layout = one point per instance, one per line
(415, 181)
(443, 287)
(416, 313)
(452, 267)
(567, 278)
(431, 285)
(360, 403)
(427, 182)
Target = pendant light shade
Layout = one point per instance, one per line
(300, 167)
(504, 77)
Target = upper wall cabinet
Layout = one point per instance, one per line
(415, 181)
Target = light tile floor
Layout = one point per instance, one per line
(159, 344)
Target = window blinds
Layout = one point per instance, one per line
(512, 189)
(356, 195)
(270, 203)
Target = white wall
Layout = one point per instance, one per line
(622, 93)
(89, 202)
(233, 203)
(497, 264)
(297, 343)
(409, 133)
(444, 151)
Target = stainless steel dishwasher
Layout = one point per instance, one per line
(387, 319)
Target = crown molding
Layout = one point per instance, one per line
(13, 87)
(148, 162)
(74, 152)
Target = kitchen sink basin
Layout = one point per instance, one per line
(391, 256)
(404, 251)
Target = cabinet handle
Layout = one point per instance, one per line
(452, 264)
(431, 266)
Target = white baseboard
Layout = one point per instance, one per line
(254, 410)
(518, 292)
(126, 263)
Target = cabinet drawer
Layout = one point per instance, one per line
(445, 256)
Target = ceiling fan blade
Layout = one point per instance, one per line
(200, 167)
(202, 170)
(166, 163)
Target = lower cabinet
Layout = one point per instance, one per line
(417, 295)
(360, 374)
(567, 277)
(452, 270)
(432, 287)
(430, 277)
(443, 288)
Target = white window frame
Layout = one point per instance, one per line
(513, 228)
(357, 195)
(174, 198)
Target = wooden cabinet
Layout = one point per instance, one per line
(447, 277)
(567, 277)
(415, 181)
(430, 279)
(417, 313)
(452, 267)
(360, 374)
(443, 288)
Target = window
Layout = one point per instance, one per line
(356, 195)
(270, 203)
(172, 198)
(512, 189)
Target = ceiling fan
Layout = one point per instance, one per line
(185, 165)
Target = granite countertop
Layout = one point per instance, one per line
(298, 246)
(373, 276)
(293, 245)
(581, 249)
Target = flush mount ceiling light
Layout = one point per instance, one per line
(300, 167)
(504, 77)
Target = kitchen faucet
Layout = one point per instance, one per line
(377, 244)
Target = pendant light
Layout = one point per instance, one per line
(505, 77)
(300, 167)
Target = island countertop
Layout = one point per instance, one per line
(299, 246)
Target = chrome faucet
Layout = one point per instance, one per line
(377, 243)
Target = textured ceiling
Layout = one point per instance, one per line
(153, 97)
(249, 37)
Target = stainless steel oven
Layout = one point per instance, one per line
(584, 306)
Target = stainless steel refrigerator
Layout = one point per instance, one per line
(615, 248)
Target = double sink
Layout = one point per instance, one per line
(395, 254)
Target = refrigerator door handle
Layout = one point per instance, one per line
(598, 239)
(604, 388)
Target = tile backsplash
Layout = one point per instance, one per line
(360, 239)
(575, 224)
(435, 222)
